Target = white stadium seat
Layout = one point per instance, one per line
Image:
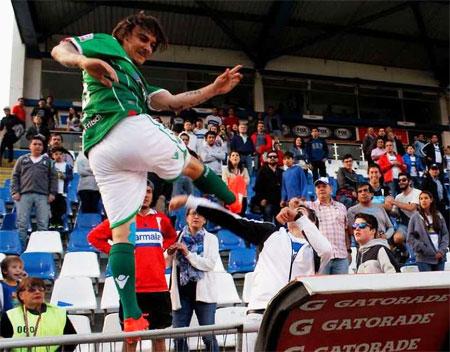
(110, 296)
(82, 325)
(229, 315)
(228, 294)
(80, 264)
(74, 293)
(248, 284)
(45, 241)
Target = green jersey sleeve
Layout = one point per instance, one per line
(98, 45)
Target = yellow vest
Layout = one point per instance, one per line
(52, 323)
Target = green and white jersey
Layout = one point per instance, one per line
(105, 107)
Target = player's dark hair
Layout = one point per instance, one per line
(146, 22)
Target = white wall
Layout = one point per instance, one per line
(17, 66)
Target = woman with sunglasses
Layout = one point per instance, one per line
(374, 255)
(428, 235)
(33, 317)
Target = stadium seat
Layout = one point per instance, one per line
(9, 222)
(2, 208)
(111, 324)
(80, 264)
(242, 260)
(228, 294)
(229, 315)
(7, 183)
(180, 218)
(40, 265)
(10, 242)
(409, 269)
(45, 241)
(5, 194)
(74, 293)
(87, 220)
(247, 289)
(78, 241)
(228, 240)
(110, 296)
(82, 325)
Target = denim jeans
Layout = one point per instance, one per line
(182, 186)
(24, 206)
(247, 160)
(205, 313)
(431, 267)
(336, 266)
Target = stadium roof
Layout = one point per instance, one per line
(409, 34)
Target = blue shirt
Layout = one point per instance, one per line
(293, 183)
(9, 296)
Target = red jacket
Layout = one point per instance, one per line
(154, 234)
(265, 147)
(386, 167)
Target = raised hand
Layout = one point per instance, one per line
(177, 202)
(100, 70)
(227, 80)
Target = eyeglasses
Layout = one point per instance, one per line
(272, 156)
(403, 180)
(364, 190)
(360, 225)
(33, 289)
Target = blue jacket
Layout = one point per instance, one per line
(317, 149)
(293, 183)
(419, 163)
(237, 144)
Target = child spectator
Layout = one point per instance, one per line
(293, 181)
(65, 175)
(12, 270)
(317, 150)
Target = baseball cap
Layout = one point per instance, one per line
(434, 166)
(323, 180)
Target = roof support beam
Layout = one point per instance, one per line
(26, 27)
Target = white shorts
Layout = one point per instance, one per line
(120, 162)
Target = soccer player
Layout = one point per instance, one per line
(123, 142)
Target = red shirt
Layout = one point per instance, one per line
(19, 111)
(154, 234)
(231, 120)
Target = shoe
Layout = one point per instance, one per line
(131, 324)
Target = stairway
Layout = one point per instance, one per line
(5, 171)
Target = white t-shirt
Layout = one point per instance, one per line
(437, 154)
(395, 169)
(411, 197)
(413, 172)
(61, 167)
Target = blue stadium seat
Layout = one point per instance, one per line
(228, 240)
(7, 183)
(242, 260)
(40, 265)
(10, 242)
(334, 186)
(2, 207)
(9, 222)
(5, 194)
(180, 218)
(78, 241)
(87, 220)
(253, 216)
(212, 227)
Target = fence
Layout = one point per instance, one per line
(229, 336)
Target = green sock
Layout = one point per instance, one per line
(210, 183)
(121, 260)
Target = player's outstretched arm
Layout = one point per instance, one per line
(67, 55)
(222, 85)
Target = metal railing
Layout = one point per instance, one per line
(113, 341)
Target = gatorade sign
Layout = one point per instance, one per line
(330, 316)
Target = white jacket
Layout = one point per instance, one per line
(274, 263)
(207, 287)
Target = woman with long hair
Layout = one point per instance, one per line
(300, 155)
(428, 235)
(235, 175)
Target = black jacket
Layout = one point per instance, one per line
(430, 156)
(429, 185)
(268, 185)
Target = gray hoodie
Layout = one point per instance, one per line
(375, 257)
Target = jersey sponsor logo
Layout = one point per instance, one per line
(85, 37)
(150, 238)
(94, 120)
(121, 280)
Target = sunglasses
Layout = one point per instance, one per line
(33, 289)
(361, 225)
(272, 156)
(402, 180)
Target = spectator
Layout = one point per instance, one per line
(268, 198)
(432, 183)
(262, 142)
(38, 129)
(13, 130)
(333, 224)
(347, 180)
(397, 143)
(223, 139)
(200, 130)
(414, 166)
(434, 153)
(176, 122)
(53, 122)
(44, 112)
(236, 177)
(299, 152)
(211, 154)
(189, 114)
(56, 141)
(214, 118)
(34, 317)
(391, 165)
(87, 186)
(428, 235)
(64, 174)
(419, 143)
(242, 144)
(18, 110)
(279, 151)
(447, 160)
(151, 286)
(13, 273)
(231, 119)
(374, 255)
(380, 191)
(73, 121)
(317, 150)
(293, 182)
(251, 124)
(368, 142)
(378, 151)
(365, 205)
(272, 122)
(34, 183)
(193, 142)
(193, 284)
(183, 184)
(381, 134)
